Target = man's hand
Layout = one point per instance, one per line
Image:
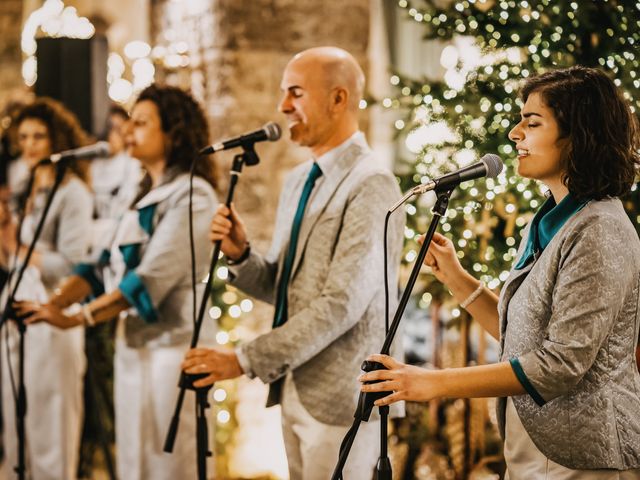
(228, 227)
(219, 363)
(33, 312)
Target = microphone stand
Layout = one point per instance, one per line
(366, 400)
(250, 158)
(9, 313)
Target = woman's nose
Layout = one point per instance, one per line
(515, 134)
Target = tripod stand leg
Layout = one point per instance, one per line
(21, 409)
(383, 469)
(202, 432)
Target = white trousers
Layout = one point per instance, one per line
(145, 391)
(54, 370)
(312, 447)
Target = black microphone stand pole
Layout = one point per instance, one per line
(247, 157)
(8, 313)
(366, 400)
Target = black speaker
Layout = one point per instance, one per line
(74, 71)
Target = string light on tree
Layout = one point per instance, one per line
(492, 46)
(54, 20)
(227, 308)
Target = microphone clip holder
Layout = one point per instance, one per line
(367, 399)
(249, 155)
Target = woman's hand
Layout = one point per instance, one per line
(442, 258)
(218, 363)
(33, 312)
(407, 382)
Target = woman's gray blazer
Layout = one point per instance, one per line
(571, 320)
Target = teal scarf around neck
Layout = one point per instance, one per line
(547, 221)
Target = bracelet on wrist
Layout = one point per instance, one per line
(71, 310)
(474, 295)
(89, 321)
(75, 311)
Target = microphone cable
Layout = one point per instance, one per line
(386, 272)
(192, 247)
(350, 436)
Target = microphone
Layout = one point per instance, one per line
(270, 131)
(489, 165)
(100, 149)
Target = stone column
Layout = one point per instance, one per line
(10, 52)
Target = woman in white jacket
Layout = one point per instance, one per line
(147, 280)
(54, 360)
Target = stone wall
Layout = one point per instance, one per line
(238, 50)
(10, 53)
(242, 48)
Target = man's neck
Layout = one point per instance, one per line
(334, 141)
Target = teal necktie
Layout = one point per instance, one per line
(281, 299)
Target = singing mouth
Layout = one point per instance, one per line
(522, 152)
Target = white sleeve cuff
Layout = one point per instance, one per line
(243, 360)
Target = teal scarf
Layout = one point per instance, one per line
(547, 221)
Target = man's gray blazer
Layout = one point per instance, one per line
(571, 319)
(336, 289)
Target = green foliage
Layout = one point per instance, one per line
(479, 103)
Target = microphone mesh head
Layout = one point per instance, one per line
(493, 163)
(272, 129)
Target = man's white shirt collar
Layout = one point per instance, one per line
(326, 160)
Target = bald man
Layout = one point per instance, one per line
(323, 273)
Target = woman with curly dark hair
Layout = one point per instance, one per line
(567, 317)
(147, 276)
(54, 362)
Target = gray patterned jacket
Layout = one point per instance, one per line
(571, 318)
(336, 293)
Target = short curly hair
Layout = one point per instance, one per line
(183, 121)
(603, 153)
(63, 128)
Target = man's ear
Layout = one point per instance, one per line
(339, 98)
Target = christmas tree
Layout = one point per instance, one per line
(450, 123)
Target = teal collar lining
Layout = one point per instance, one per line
(548, 220)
